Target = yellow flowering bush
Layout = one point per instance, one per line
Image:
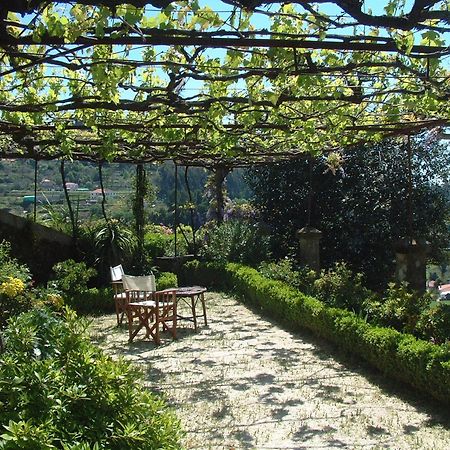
(12, 287)
(16, 295)
(54, 300)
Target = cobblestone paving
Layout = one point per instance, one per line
(245, 383)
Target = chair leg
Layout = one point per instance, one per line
(121, 312)
(118, 314)
(130, 325)
(169, 314)
(157, 322)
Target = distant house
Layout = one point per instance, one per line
(47, 184)
(71, 186)
(444, 292)
(96, 195)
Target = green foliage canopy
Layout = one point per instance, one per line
(97, 80)
(362, 208)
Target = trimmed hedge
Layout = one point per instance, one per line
(422, 365)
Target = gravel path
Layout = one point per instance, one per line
(244, 383)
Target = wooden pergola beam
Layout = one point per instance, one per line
(227, 42)
(420, 11)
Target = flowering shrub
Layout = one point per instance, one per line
(164, 229)
(240, 211)
(159, 229)
(54, 298)
(12, 287)
(14, 281)
(46, 297)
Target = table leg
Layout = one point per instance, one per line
(194, 315)
(202, 299)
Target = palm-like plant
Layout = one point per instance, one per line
(114, 242)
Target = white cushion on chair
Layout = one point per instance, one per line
(116, 272)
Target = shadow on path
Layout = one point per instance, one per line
(245, 383)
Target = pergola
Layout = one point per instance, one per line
(230, 84)
(237, 83)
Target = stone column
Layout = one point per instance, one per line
(411, 259)
(309, 239)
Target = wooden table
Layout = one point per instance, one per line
(191, 295)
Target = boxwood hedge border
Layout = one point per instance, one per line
(420, 364)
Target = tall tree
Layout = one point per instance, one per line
(360, 206)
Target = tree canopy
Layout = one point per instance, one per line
(362, 208)
(246, 82)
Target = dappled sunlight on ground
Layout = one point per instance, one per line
(244, 383)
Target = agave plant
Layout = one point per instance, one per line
(56, 218)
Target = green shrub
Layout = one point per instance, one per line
(72, 283)
(92, 301)
(400, 308)
(236, 241)
(72, 277)
(57, 390)
(283, 270)
(434, 323)
(202, 274)
(166, 280)
(159, 240)
(157, 244)
(341, 288)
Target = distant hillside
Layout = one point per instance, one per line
(17, 181)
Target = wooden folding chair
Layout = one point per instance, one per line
(121, 297)
(166, 312)
(150, 308)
